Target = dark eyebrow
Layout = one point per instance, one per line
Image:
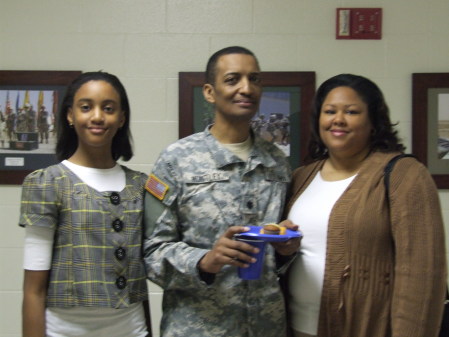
(231, 73)
(110, 101)
(83, 100)
(240, 74)
(346, 105)
(88, 100)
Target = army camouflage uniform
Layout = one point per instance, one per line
(208, 189)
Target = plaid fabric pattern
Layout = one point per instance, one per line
(93, 263)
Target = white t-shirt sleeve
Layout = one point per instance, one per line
(38, 248)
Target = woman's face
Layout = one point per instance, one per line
(344, 124)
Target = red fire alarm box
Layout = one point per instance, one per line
(359, 23)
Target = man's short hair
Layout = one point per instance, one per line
(212, 63)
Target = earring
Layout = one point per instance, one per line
(71, 125)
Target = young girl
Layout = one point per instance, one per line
(84, 274)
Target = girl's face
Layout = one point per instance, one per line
(96, 114)
(344, 124)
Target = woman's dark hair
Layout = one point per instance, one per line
(383, 138)
(212, 62)
(68, 139)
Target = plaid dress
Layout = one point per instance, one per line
(97, 259)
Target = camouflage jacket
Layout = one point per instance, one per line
(203, 189)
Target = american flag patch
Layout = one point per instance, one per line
(156, 187)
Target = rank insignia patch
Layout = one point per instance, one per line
(156, 187)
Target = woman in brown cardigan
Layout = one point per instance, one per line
(367, 267)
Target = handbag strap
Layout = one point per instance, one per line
(387, 171)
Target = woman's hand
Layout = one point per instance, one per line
(291, 246)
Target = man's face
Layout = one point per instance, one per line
(237, 89)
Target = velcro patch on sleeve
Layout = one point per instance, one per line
(156, 187)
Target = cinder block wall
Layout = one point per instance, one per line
(147, 42)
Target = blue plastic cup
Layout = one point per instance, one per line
(254, 270)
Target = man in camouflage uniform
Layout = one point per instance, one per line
(2, 129)
(30, 118)
(10, 124)
(42, 124)
(21, 125)
(204, 189)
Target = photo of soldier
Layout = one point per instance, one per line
(10, 124)
(258, 123)
(275, 129)
(30, 118)
(284, 128)
(42, 124)
(28, 123)
(272, 121)
(21, 124)
(2, 128)
(443, 126)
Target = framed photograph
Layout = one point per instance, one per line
(29, 101)
(430, 125)
(283, 116)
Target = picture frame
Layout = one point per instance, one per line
(29, 101)
(430, 124)
(287, 97)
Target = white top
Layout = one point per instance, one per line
(113, 179)
(311, 212)
(83, 321)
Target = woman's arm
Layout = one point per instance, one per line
(420, 271)
(33, 308)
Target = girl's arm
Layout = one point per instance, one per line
(33, 308)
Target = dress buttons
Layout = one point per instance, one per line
(115, 198)
(120, 282)
(117, 224)
(249, 204)
(120, 253)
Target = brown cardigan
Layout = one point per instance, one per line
(383, 277)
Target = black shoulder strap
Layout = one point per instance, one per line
(389, 168)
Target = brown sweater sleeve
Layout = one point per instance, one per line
(420, 266)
